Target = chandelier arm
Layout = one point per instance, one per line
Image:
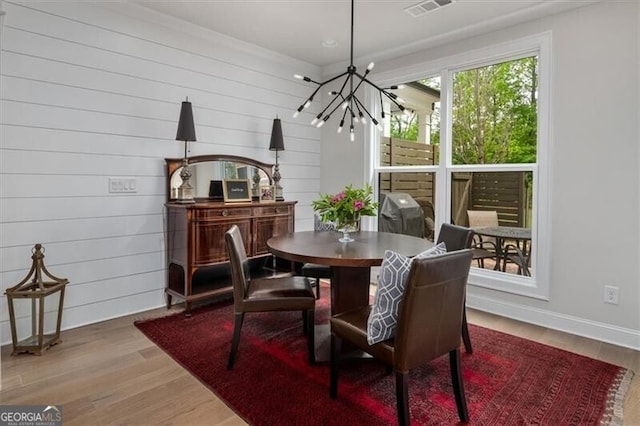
(351, 92)
(358, 103)
(343, 85)
(329, 106)
(363, 79)
(328, 116)
(327, 82)
(391, 96)
(333, 110)
(399, 105)
(348, 107)
(315, 92)
(364, 108)
(381, 106)
(382, 91)
(333, 78)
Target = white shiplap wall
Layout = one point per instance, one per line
(91, 92)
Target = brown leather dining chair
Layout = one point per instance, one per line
(458, 238)
(428, 327)
(282, 293)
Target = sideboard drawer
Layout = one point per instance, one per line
(220, 213)
(272, 210)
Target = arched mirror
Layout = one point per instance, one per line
(208, 172)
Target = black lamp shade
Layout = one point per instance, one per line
(186, 129)
(277, 143)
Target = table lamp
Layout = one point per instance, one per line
(277, 144)
(186, 132)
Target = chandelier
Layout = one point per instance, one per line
(352, 108)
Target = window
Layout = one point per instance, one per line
(476, 135)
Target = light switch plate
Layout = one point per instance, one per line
(122, 184)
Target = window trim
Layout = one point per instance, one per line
(536, 286)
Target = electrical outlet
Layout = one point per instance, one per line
(611, 294)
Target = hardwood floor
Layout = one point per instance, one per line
(109, 373)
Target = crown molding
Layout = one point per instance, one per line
(140, 12)
(536, 11)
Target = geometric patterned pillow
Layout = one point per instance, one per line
(392, 280)
(394, 270)
(436, 250)
(319, 225)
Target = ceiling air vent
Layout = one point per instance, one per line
(426, 6)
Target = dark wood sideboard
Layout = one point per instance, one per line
(197, 262)
(196, 252)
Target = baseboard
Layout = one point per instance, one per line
(608, 333)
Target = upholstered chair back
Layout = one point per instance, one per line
(430, 319)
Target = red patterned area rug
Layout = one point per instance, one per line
(508, 380)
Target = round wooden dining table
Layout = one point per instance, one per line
(350, 262)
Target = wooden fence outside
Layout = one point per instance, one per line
(398, 152)
(501, 191)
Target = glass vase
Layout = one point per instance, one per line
(348, 226)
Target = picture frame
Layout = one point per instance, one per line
(267, 193)
(236, 190)
(215, 190)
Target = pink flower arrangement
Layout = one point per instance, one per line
(346, 206)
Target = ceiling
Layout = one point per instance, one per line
(383, 29)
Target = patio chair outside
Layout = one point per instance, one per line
(483, 247)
